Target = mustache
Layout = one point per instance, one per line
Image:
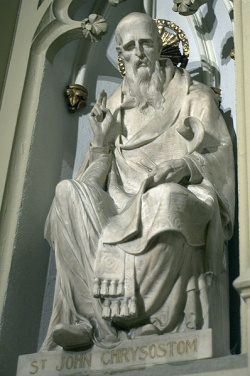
(142, 61)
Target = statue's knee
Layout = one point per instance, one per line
(63, 189)
(165, 190)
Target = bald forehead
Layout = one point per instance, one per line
(137, 24)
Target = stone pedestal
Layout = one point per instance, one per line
(130, 354)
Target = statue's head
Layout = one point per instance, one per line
(138, 42)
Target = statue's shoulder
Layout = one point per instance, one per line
(195, 90)
(114, 101)
(203, 92)
(198, 87)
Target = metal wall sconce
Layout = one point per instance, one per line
(76, 96)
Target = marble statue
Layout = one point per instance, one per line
(147, 217)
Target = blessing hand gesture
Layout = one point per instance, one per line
(100, 119)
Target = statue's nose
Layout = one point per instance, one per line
(138, 50)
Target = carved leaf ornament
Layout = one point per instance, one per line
(183, 7)
(94, 27)
(187, 7)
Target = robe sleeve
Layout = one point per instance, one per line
(96, 166)
(215, 162)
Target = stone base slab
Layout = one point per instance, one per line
(130, 354)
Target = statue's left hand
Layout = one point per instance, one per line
(171, 171)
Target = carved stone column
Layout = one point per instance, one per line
(242, 52)
(242, 284)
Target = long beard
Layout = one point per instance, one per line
(146, 87)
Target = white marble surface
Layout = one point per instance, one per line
(135, 354)
(155, 193)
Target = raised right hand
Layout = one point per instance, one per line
(100, 119)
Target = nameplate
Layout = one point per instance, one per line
(137, 353)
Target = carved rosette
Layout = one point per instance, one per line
(94, 27)
(187, 7)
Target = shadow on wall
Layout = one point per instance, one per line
(233, 253)
(205, 73)
(208, 22)
(227, 46)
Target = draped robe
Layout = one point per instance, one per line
(129, 253)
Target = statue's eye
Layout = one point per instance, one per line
(129, 46)
(147, 43)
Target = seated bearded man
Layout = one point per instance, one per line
(150, 210)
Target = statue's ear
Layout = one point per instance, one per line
(160, 47)
(119, 51)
